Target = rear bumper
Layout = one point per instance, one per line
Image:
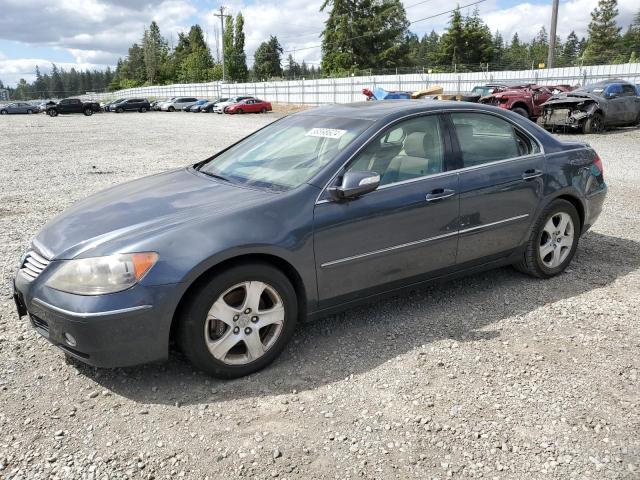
(594, 203)
(118, 336)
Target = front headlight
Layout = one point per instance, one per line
(101, 275)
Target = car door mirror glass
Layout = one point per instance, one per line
(355, 184)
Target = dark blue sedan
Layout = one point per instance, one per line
(312, 214)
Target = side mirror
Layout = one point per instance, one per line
(355, 184)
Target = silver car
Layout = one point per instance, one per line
(18, 107)
(177, 103)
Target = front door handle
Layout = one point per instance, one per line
(439, 194)
(531, 174)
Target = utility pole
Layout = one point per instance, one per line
(551, 59)
(221, 15)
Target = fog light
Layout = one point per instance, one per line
(71, 341)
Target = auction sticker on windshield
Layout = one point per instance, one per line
(325, 132)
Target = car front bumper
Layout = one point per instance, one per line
(133, 329)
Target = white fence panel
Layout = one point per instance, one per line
(349, 89)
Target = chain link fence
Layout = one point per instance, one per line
(349, 89)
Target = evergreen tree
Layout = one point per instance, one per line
(40, 87)
(539, 48)
(362, 34)
(498, 50)
(155, 50)
(452, 43)
(56, 88)
(241, 72)
(478, 42)
(570, 51)
(604, 34)
(266, 63)
(430, 49)
(292, 70)
(228, 46)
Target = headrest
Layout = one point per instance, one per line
(414, 144)
(465, 132)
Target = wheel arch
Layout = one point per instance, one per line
(266, 258)
(577, 203)
(521, 104)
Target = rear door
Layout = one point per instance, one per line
(501, 184)
(404, 231)
(632, 103)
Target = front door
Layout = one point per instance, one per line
(404, 231)
(501, 182)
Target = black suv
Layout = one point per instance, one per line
(131, 105)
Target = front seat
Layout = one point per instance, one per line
(413, 162)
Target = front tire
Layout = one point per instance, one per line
(238, 321)
(88, 112)
(53, 113)
(29, 112)
(594, 124)
(553, 241)
(143, 110)
(521, 111)
(171, 109)
(3, 112)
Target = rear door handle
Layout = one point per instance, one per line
(439, 194)
(531, 174)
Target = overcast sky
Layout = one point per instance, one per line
(94, 33)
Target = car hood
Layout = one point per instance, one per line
(141, 208)
(572, 98)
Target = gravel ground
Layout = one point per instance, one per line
(496, 375)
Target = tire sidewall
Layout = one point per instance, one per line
(521, 111)
(555, 207)
(191, 328)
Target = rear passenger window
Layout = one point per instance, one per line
(486, 138)
(405, 151)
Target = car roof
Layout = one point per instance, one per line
(377, 110)
(609, 81)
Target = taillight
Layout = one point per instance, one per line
(597, 162)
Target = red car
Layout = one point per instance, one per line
(250, 105)
(525, 99)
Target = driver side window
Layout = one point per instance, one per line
(410, 149)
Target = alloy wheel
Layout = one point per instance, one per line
(556, 240)
(244, 323)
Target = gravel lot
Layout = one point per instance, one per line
(496, 375)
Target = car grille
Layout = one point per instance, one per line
(33, 265)
(40, 323)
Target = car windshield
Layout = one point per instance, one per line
(286, 153)
(596, 89)
(482, 91)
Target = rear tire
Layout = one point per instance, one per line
(29, 111)
(143, 109)
(553, 241)
(52, 113)
(594, 124)
(521, 111)
(199, 333)
(3, 112)
(171, 109)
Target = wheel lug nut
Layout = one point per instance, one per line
(236, 330)
(254, 319)
(236, 318)
(247, 311)
(247, 331)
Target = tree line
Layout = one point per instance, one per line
(360, 36)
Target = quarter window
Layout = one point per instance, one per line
(410, 149)
(486, 138)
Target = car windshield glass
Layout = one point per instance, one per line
(596, 89)
(482, 91)
(286, 153)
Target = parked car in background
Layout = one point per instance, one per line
(593, 108)
(155, 105)
(308, 216)
(177, 103)
(106, 105)
(524, 99)
(209, 106)
(42, 106)
(220, 106)
(250, 105)
(131, 105)
(73, 105)
(18, 107)
(188, 106)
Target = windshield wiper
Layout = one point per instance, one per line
(215, 175)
